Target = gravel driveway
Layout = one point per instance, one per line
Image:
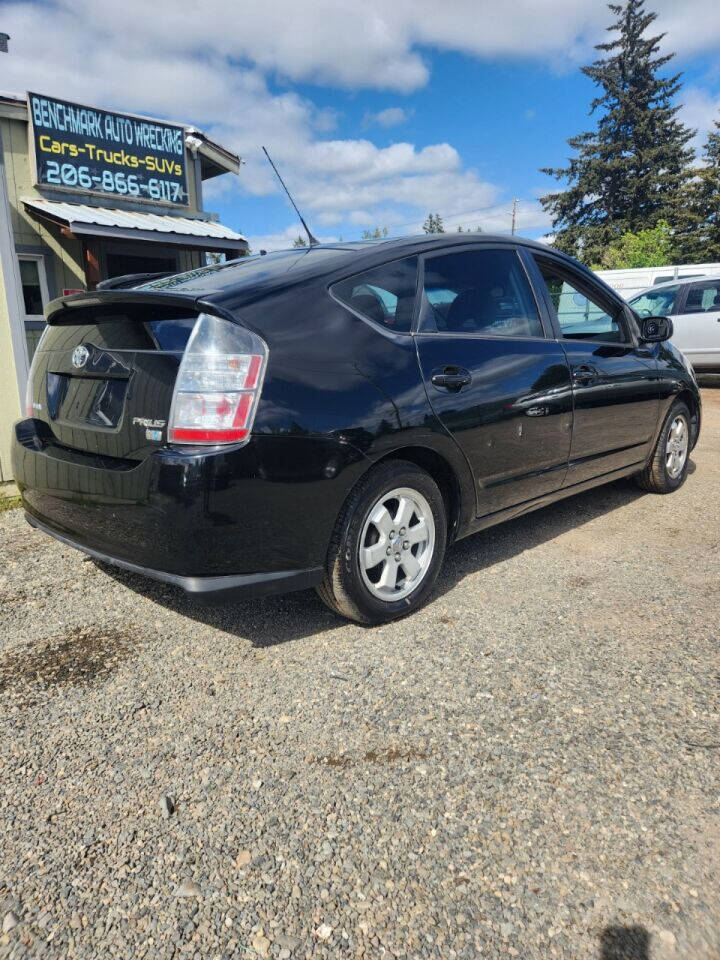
(529, 767)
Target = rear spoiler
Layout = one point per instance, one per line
(55, 311)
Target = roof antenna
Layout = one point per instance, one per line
(312, 240)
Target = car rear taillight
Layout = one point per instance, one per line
(29, 410)
(218, 384)
(30, 407)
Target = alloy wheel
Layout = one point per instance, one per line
(397, 543)
(676, 448)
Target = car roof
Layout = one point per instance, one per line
(676, 282)
(429, 240)
(253, 276)
(233, 285)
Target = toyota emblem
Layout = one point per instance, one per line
(80, 356)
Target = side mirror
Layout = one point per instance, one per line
(655, 329)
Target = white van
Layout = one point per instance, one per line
(630, 282)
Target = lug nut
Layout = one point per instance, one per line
(392, 534)
(388, 551)
(402, 532)
(397, 556)
(406, 544)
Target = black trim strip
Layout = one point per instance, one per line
(205, 588)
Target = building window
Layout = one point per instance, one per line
(34, 285)
(35, 296)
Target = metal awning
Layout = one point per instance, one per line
(117, 224)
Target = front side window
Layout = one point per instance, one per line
(580, 317)
(384, 294)
(32, 286)
(655, 303)
(703, 298)
(479, 292)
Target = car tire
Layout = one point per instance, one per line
(396, 514)
(668, 466)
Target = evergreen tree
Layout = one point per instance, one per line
(630, 172)
(376, 234)
(299, 241)
(699, 236)
(434, 224)
(712, 193)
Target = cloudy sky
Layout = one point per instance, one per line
(376, 112)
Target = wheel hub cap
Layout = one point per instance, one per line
(397, 544)
(676, 448)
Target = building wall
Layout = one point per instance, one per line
(62, 256)
(9, 396)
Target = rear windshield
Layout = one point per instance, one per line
(251, 271)
(128, 327)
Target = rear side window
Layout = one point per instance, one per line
(703, 298)
(481, 292)
(385, 294)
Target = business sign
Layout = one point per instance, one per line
(114, 154)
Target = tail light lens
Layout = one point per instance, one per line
(29, 410)
(30, 407)
(218, 384)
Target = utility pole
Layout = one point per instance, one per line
(514, 215)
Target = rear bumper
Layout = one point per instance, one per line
(254, 520)
(206, 588)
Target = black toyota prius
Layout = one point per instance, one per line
(334, 416)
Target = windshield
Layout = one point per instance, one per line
(655, 303)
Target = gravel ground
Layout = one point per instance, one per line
(526, 768)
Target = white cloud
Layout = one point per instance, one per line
(282, 239)
(150, 73)
(700, 111)
(340, 42)
(390, 117)
(211, 64)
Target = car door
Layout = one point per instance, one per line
(496, 380)
(697, 323)
(614, 378)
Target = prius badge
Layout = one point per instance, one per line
(153, 429)
(80, 356)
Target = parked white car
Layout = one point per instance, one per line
(694, 307)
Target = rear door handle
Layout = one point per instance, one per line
(451, 378)
(584, 373)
